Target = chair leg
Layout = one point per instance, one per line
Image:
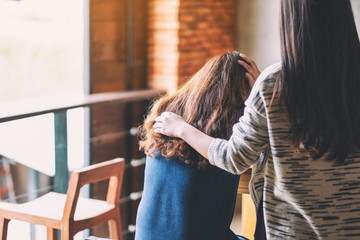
(51, 234)
(115, 227)
(67, 234)
(4, 228)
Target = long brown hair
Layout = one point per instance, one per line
(212, 100)
(319, 83)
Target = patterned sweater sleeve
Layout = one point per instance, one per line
(249, 137)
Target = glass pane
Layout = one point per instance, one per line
(41, 56)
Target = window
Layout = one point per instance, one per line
(41, 57)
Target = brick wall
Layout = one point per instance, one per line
(169, 40)
(118, 48)
(183, 34)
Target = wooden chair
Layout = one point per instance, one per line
(68, 212)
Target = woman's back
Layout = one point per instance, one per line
(312, 109)
(184, 198)
(183, 203)
(303, 198)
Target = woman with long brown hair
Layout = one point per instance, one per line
(184, 197)
(303, 114)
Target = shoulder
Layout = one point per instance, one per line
(157, 160)
(263, 88)
(267, 77)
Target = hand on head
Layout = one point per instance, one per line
(173, 125)
(252, 71)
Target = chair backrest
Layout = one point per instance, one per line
(112, 170)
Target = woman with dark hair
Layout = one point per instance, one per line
(184, 197)
(304, 116)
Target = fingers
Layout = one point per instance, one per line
(160, 123)
(250, 79)
(247, 67)
(159, 119)
(250, 75)
(158, 127)
(162, 117)
(168, 123)
(252, 72)
(249, 61)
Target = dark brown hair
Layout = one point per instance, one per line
(212, 101)
(319, 83)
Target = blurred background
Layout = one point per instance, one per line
(55, 52)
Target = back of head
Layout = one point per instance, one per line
(212, 100)
(319, 83)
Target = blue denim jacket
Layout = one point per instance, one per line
(180, 202)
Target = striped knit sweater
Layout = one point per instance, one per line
(303, 198)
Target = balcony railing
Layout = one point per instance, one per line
(59, 107)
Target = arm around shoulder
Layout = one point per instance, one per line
(173, 125)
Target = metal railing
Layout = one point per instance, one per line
(59, 108)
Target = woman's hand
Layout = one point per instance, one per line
(252, 71)
(169, 124)
(173, 125)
